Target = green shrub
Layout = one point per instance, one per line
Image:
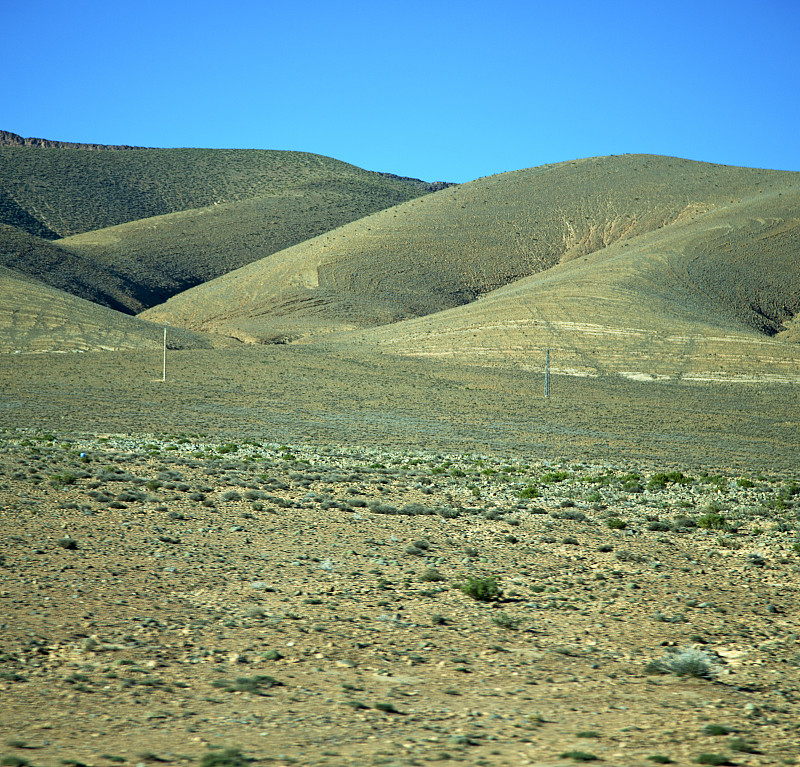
(712, 521)
(615, 523)
(432, 575)
(554, 477)
(741, 746)
(531, 491)
(229, 757)
(684, 662)
(718, 759)
(482, 589)
(660, 480)
(505, 621)
(579, 756)
(13, 761)
(65, 478)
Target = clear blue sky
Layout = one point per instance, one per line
(437, 90)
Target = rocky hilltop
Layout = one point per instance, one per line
(12, 139)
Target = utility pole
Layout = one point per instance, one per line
(547, 375)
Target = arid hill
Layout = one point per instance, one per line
(673, 246)
(708, 297)
(130, 229)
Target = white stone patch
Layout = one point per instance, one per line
(636, 376)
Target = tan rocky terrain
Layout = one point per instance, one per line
(175, 600)
(707, 297)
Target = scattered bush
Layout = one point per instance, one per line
(59, 480)
(482, 589)
(712, 759)
(712, 521)
(252, 684)
(660, 480)
(531, 491)
(684, 662)
(229, 757)
(554, 477)
(741, 746)
(432, 575)
(505, 621)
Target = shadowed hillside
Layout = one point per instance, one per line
(165, 255)
(37, 318)
(450, 248)
(42, 260)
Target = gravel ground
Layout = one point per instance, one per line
(172, 598)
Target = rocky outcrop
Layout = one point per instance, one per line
(12, 139)
(432, 186)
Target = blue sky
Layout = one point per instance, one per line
(437, 90)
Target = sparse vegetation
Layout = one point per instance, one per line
(482, 589)
(684, 662)
(253, 684)
(343, 640)
(227, 757)
(580, 756)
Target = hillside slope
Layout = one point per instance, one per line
(451, 247)
(712, 297)
(38, 318)
(166, 255)
(42, 260)
(58, 192)
(155, 222)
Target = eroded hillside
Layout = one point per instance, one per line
(453, 247)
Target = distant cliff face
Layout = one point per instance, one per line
(12, 139)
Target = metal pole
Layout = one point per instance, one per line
(547, 375)
(164, 375)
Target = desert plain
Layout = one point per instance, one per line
(338, 522)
